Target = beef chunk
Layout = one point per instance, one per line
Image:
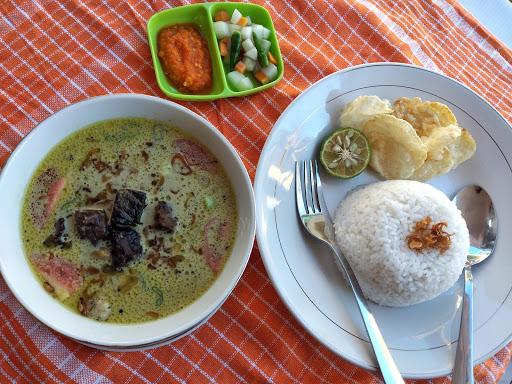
(128, 207)
(164, 218)
(58, 237)
(196, 154)
(125, 246)
(95, 307)
(91, 224)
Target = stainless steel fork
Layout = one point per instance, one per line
(316, 219)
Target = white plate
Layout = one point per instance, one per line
(423, 337)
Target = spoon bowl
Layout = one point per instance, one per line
(477, 209)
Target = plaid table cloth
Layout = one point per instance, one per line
(56, 52)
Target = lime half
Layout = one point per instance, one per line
(345, 153)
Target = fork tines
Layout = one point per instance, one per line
(308, 187)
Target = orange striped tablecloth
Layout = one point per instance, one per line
(56, 52)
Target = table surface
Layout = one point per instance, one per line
(494, 15)
(54, 53)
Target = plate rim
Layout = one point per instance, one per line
(259, 186)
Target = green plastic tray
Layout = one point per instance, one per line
(202, 16)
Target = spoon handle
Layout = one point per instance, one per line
(463, 369)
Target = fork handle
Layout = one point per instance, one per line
(387, 365)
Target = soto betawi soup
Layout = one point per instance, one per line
(128, 220)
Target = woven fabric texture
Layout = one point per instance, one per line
(56, 52)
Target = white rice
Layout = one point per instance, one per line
(371, 226)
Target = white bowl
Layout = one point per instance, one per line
(18, 171)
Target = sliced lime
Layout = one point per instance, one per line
(345, 153)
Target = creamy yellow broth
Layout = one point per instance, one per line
(140, 151)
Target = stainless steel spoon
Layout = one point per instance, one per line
(476, 207)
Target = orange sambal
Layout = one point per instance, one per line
(185, 58)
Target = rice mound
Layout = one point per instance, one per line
(371, 226)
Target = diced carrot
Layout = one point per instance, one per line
(223, 46)
(261, 77)
(271, 58)
(243, 21)
(240, 67)
(221, 16)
